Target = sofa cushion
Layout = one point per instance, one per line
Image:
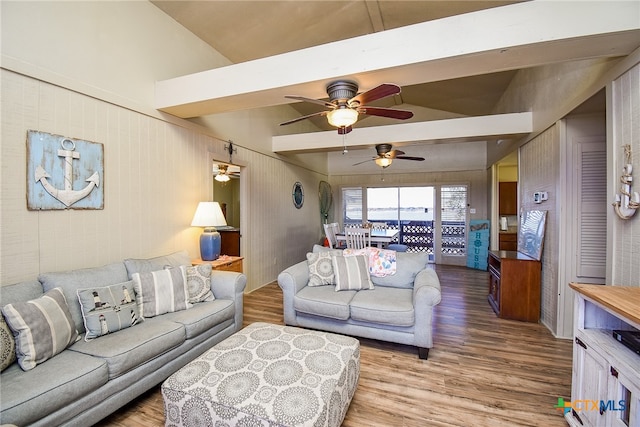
(408, 265)
(175, 259)
(161, 291)
(199, 283)
(71, 281)
(351, 273)
(323, 301)
(320, 269)
(61, 381)
(7, 345)
(389, 306)
(108, 309)
(129, 348)
(202, 317)
(42, 327)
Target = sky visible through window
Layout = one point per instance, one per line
(414, 203)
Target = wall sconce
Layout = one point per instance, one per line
(209, 215)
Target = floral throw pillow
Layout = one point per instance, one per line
(320, 269)
(199, 283)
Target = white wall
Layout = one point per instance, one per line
(86, 70)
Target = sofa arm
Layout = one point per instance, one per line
(426, 295)
(230, 285)
(291, 281)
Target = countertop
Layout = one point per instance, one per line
(623, 300)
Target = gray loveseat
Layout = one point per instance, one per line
(398, 309)
(89, 380)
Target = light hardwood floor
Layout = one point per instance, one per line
(482, 371)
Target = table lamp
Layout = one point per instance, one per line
(209, 215)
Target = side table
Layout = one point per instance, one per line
(224, 263)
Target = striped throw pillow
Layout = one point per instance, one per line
(351, 273)
(161, 291)
(43, 327)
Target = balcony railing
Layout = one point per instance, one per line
(419, 236)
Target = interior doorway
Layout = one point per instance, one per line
(226, 191)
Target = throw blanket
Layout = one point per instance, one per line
(382, 262)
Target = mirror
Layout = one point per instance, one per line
(226, 191)
(531, 233)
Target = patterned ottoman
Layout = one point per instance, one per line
(266, 375)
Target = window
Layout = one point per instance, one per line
(352, 205)
(453, 204)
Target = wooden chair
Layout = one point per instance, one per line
(330, 231)
(358, 238)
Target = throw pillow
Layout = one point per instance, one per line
(351, 273)
(161, 291)
(42, 327)
(320, 269)
(108, 309)
(7, 345)
(199, 283)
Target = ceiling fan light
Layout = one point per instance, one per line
(342, 117)
(222, 177)
(383, 162)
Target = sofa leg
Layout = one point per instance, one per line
(423, 353)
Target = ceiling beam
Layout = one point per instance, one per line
(461, 129)
(504, 38)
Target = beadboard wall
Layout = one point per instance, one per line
(156, 172)
(625, 130)
(539, 169)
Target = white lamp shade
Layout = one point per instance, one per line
(383, 161)
(208, 214)
(342, 117)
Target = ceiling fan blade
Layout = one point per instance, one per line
(382, 91)
(365, 161)
(393, 154)
(314, 101)
(419, 159)
(386, 112)
(344, 130)
(308, 116)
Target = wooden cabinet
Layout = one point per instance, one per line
(514, 285)
(230, 244)
(508, 198)
(508, 242)
(605, 371)
(224, 263)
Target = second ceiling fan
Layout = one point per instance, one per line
(345, 104)
(386, 155)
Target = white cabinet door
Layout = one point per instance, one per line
(589, 384)
(624, 409)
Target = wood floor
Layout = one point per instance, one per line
(482, 371)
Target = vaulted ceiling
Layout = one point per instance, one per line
(252, 33)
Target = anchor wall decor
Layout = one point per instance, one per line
(63, 173)
(626, 202)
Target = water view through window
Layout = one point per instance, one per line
(413, 211)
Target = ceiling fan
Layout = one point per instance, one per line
(345, 104)
(223, 172)
(386, 156)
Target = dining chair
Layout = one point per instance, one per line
(357, 238)
(330, 231)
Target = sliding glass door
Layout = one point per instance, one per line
(430, 219)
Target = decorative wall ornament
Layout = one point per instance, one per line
(626, 202)
(63, 173)
(298, 195)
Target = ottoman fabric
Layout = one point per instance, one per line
(266, 375)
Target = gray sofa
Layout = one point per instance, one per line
(89, 380)
(399, 309)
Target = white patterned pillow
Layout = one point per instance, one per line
(320, 269)
(43, 327)
(108, 309)
(161, 291)
(7, 345)
(351, 273)
(199, 283)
